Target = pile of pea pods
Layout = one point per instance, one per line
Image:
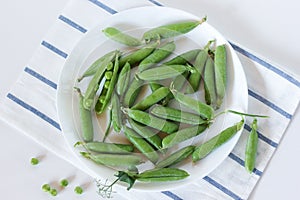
(151, 125)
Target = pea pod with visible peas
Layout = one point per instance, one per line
(175, 157)
(171, 30)
(93, 68)
(156, 56)
(103, 147)
(164, 72)
(251, 148)
(152, 99)
(106, 94)
(144, 147)
(93, 86)
(151, 121)
(121, 37)
(85, 120)
(182, 135)
(207, 147)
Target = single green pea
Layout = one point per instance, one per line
(78, 190)
(46, 187)
(53, 192)
(121, 37)
(251, 148)
(64, 183)
(108, 75)
(106, 84)
(34, 161)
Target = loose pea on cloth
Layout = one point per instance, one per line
(30, 105)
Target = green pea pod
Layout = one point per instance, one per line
(116, 114)
(209, 83)
(93, 86)
(199, 65)
(162, 175)
(204, 110)
(93, 68)
(182, 135)
(163, 72)
(141, 144)
(154, 86)
(180, 80)
(171, 30)
(151, 121)
(251, 148)
(101, 105)
(86, 120)
(102, 147)
(175, 157)
(146, 133)
(207, 147)
(132, 92)
(114, 160)
(184, 58)
(220, 73)
(138, 55)
(152, 99)
(123, 79)
(120, 37)
(177, 115)
(156, 56)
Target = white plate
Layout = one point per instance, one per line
(136, 21)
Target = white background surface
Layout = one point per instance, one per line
(271, 28)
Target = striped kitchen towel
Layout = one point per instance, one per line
(30, 105)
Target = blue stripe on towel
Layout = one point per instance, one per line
(171, 195)
(155, 2)
(270, 104)
(266, 64)
(262, 137)
(41, 78)
(242, 163)
(33, 110)
(222, 188)
(105, 7)
(72, 23)
(54, 49)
